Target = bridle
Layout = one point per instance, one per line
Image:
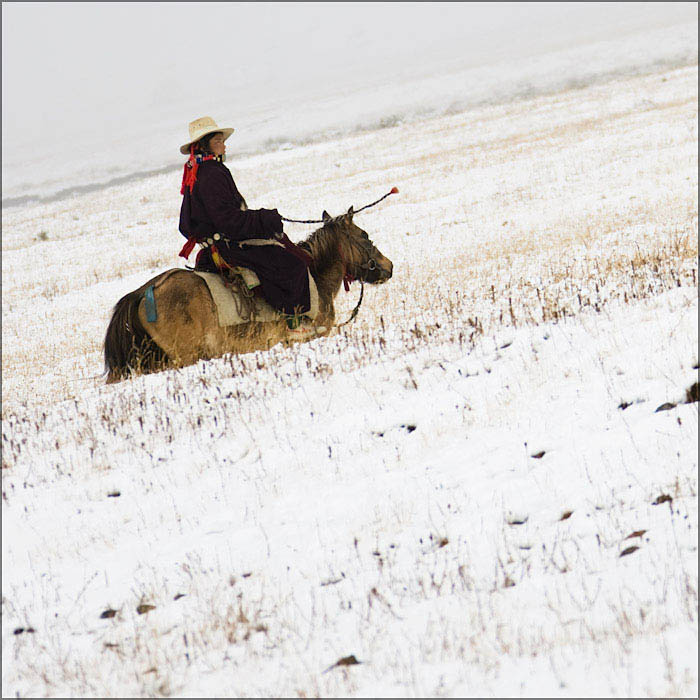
(348, 277)
(370, 265)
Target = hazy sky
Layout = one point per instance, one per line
(70, 63)
(111, 70)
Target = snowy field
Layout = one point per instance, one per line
(470, 491)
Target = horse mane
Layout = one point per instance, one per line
(322, 244)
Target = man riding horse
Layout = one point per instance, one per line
(172, 320)
(215, 215)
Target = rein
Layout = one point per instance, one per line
(357, 306)
(347, 279)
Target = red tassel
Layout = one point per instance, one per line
(187, 248)
(189, 175)
(394, 190)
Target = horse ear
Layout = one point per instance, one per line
(351, 211)
(325, 216)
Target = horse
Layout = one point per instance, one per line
(187, 327)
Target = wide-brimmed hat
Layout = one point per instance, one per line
(200, 128)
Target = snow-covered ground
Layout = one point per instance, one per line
(470, 490)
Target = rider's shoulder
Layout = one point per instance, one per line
(213, 169)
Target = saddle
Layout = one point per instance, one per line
(239, 304)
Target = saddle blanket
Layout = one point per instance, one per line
(229, 307)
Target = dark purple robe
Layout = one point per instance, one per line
(214, 206)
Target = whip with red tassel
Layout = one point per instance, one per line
(393, 190)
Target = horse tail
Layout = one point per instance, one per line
(128, 347)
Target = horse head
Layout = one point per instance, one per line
(362, 259)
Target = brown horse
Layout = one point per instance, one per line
(187, 327)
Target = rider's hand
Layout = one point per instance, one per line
(271, 221)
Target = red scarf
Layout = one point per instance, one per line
(189, 175)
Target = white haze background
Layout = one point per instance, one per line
(93, 92)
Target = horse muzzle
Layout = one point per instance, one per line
(386, 272)
(378, 273)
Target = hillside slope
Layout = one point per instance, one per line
(469, 490)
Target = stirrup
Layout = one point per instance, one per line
(302, 327)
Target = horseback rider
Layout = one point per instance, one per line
(215, 215)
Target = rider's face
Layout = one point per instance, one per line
(217, 145)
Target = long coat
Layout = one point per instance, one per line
(214, 206)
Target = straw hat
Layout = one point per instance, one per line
(200, 128)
